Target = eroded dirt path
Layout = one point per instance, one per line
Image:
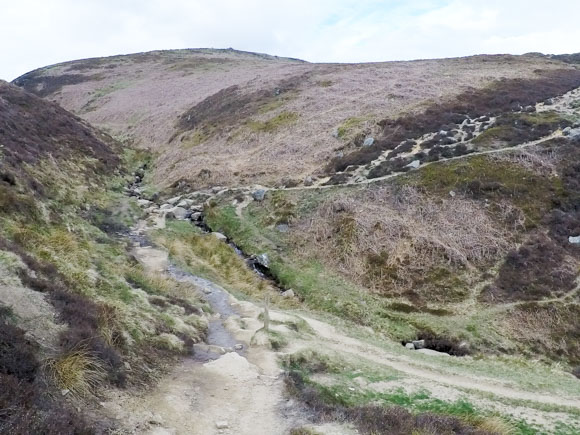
(230, 393)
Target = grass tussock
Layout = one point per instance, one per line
(77, 371)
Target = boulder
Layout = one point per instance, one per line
(220, 236)
(369, 141)
(419, 344)
(288, 294)
(196, 208)
(185, 203)
(196, 216)
(259, 194)
(414, 164)
(410, 346)
(308, 181)
(575, 240)
(143, 202)
(174, 200)
(166, 207)
(178, 213)
(263, 260)
(432, 352)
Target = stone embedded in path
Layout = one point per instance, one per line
(222, 424)
(432, 352)
(575, 240)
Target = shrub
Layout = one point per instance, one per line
(537, 269)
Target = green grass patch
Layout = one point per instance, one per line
(274, 124)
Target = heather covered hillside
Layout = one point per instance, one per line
(223, 117)
(222, 242)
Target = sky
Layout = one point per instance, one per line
(36, 33)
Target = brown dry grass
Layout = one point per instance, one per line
(144, 96)
(77, 371)
(386, 236)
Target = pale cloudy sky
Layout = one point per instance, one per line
(35, 33)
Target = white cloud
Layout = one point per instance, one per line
(35, 33)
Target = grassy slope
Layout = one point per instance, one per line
(59, 218)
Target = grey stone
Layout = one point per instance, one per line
(143, 202)
(259, 194)
(419, 344)
(166, 207)
(174, 200)
(220, 236)
(288, 294)
(452, 194)
(283, 228)
(410, 346)
(308, 181)
(222, 424)
(432, 352)
(196, 208)
(196, 216)
(239, 346)
(575, 240)
(335, 133)
(369, 141)
(178, 213)
(263, 260)
(414, 164)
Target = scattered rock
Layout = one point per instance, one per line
(452, 194)
(196, 208)
(308, 181)
(263, 260)
(259, 194)
(369, 141)
(166, 207)
(239, 346)
(288, 293)
(178, 213)
(575, 240)
(419, 344)
(335, 133)
(432, 352)
(196, 216)
(222, 424)
(219, 236)
(410, 346)
(64, 392)
(414, 164)
(283, 228)
(143, 202)
(174, 200)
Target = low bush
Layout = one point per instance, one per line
(538, 269)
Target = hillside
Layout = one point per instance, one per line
(73, 320)
(223, 117)
(383, 248)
